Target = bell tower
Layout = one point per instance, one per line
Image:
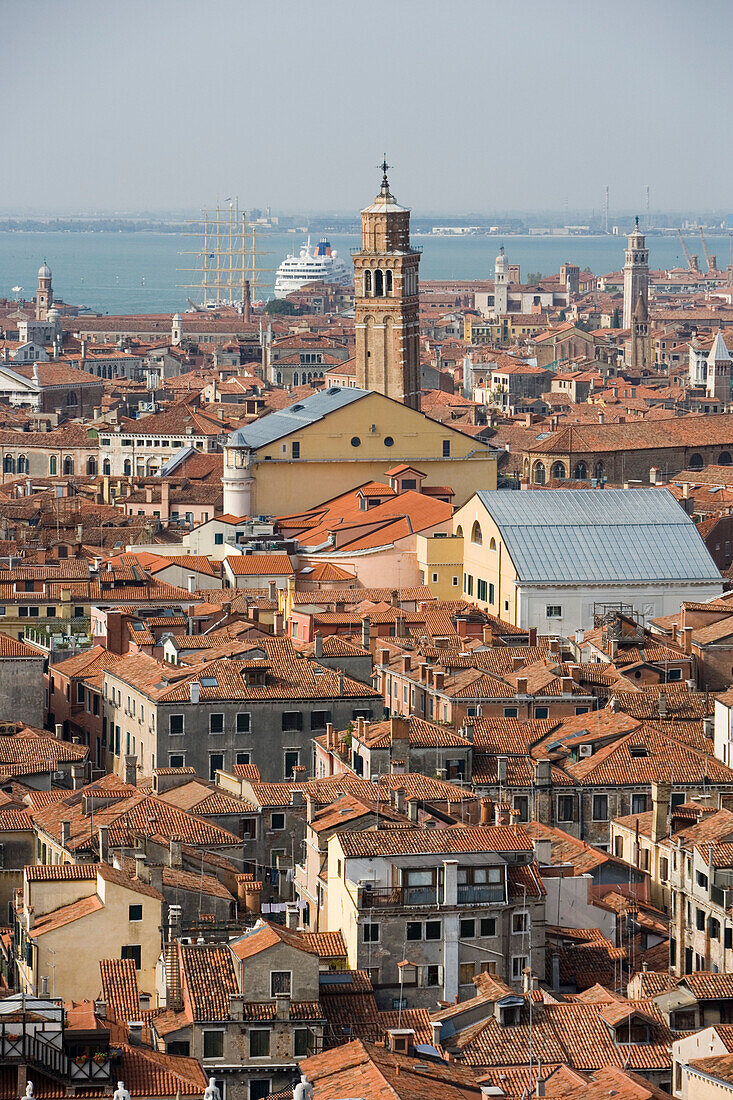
(44, 294)
(636, 273)
(386, 301)
(641, 340)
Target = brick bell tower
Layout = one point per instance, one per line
(386, 301)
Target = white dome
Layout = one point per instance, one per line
(500, 263)
(53, 314)
(176, 318)
(44, 271)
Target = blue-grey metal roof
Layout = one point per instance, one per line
(576, 535)
(295, 417)
(175, 460)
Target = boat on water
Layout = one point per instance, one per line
(319, 265)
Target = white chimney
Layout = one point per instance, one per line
(194, 691)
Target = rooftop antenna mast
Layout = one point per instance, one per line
(605, 210)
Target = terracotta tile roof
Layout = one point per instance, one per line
(249, 565)
(565, 848)
(458, 838)
(208, 973)
(707, 986)
(30, 751)
(66, 914)
(621, 763)
(12, 647)
(15, 821)
(120, 989)
(361, 1069)
(421, 734)
(572, 1033)
(265, 935)
(287, 676)
(129, 818)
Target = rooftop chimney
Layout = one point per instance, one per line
(194, 691)
(135, 1029)
(318, 646)
(65, 833)
(131, 771)
(175, 852)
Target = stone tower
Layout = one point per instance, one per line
(641, 337)
(718, 371)
(44, 294)
(386, 301)
(636, 273)
(501, 284)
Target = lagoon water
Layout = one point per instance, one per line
(141, 272)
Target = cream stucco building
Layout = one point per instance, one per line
(337, 439)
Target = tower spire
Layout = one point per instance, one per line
(385, 168)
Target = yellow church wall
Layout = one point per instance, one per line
(488, 561)
(328, 463)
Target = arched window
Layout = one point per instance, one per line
(378, 283)
(539, 473)
(476, 536)
(71, 399)
(91, 466)
(725, 459)
(9, 464)
(68, 468)
(53, 465)
(558, 471)
(367, 283)
(459, 532)
(599, 471)
(696, 462)
(492, 544)
(22, 464)
(580, 473)
(279, 377)
(127, 467)
(106, 466)
(388, 280)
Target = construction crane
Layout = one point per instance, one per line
(691, 260)
(712, 261)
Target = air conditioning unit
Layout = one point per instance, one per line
(59, 775)
(585, 750)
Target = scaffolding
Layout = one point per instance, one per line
(228, 263)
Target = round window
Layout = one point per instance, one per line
(388, 441)
(355, 441)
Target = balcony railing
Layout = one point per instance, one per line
(399, 895)
(477, 894)
(481, 894)
(19, 1045)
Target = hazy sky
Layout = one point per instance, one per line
(480, 105)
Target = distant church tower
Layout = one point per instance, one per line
(641, 337)
(719, 370)
(386, 301)
(636, 273)
(501, 284)
(44, 294)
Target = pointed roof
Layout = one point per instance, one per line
(641, 313)
(718, 352)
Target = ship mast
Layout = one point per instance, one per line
(227, 266)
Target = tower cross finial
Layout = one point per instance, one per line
(385, 167)
(637, 221)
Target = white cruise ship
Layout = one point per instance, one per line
(322, 265)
